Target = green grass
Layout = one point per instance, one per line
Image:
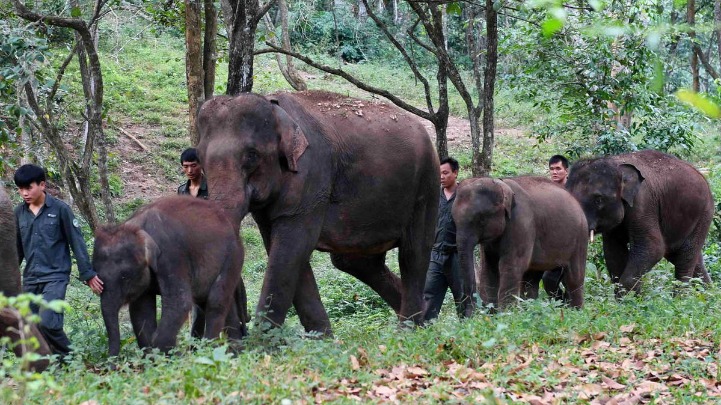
(536, 348)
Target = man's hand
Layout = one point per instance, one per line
(96, 284)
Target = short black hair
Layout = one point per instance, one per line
(558, 158)
(189, 155)
(27, 174)
(452, 162)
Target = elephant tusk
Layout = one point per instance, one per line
(591, 237)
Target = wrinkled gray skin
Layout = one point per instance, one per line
(648, 205)
(10, 285)
(183, 249)
(525, 226)
(321, 171)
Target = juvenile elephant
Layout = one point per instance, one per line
(10, 286)
(525, 225)
(320, 171)
(647, 205)
(182, 249)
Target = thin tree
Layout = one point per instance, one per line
(290, 73)
(75, 173)
(242, 18)
(193, 65)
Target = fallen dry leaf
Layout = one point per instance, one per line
(354, 364)
(611, 384)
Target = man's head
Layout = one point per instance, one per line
(558, 166)
(449, 172)
(191, 164)
(30, 180)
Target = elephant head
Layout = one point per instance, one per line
(123, 258)
(482, 207)
(605, 189)
(247, 145)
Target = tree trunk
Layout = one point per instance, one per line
(193, 66)
(210, 52)
(489, 84)
(243, 24)
(474, 114)
(717, 20)
(289, 72)
(691, 21)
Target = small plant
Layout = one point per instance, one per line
(19, 372)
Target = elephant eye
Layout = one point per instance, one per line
(251, 158)
(598, 201)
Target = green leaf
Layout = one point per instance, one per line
(220, 354)
(58, 305)
(659, 77)
(453, 8)
(597, 5)
(699, 102)
(75, 12)
(551, 26)
(204, 360)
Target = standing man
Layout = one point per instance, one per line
(47, 230)
(558, 166)
(195, 186)
(444, 269)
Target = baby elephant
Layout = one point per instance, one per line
(524, 224)
(182, 249)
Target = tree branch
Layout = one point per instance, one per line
(411, 63)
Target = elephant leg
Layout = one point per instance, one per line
(143, 318)
(489, 280)
(372, 270)
(700, 270)
(552, 283)
(176, 303)
(222, 295)
(174, 310)
(307, 303)
(645, 251)
(290, 245)
(511, 272)
(574, 278)
(529, 285)
(688, 264)
(615, 254)
(198, 317)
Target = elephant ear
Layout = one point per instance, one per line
(508, 200)
(151, 250)
(630, 182)
(292, 139)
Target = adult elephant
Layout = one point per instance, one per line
(648, 205)
(525, 225)
(321, 171)
(10, 319)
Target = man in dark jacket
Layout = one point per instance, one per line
(444, 269)
(47, 230)
(196, 185)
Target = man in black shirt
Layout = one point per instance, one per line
(47, 230)
(444, 269)
(196, 185)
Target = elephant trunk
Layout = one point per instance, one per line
(465, 245)
(235, 201)
(110, 311)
